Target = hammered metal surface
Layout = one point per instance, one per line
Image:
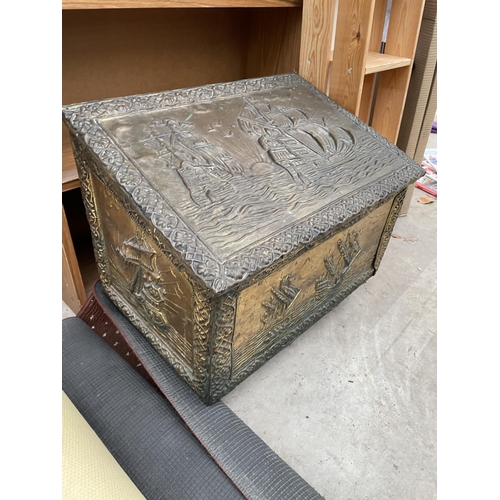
(147, 279)
(227, 219)
(300, 286)
(237, 175)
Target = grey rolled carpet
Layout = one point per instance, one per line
(136, 423)
(252, 467)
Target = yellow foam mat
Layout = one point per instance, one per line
(89, 471)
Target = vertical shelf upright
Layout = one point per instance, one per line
(371, 78)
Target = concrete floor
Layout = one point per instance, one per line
(351, 404)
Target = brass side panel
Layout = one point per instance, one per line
(146, 279)
(300, 287)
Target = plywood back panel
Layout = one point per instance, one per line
(273, 41)
(110, 53)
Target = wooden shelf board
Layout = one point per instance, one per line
(70, 178)
(375, 62)
(148, 4)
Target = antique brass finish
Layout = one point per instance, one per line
(146, 279)
(299, 287)
(226, 219)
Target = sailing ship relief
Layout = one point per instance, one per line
(294, 296)
(349, 250)
(265, 162)
(291, 140)
(204, 168)
(160, 297)
(283, 298)
(288, 137)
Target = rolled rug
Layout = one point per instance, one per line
(136, 423)
(252, 466)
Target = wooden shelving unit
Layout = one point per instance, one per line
(69, 173)
(370, 84)
(124, 47)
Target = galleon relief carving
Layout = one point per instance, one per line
(242, 175)
(161, 296)
(349, 251)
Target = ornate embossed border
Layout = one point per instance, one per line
(286, 335)
(389, 226)
(83, 121)
(198, 376)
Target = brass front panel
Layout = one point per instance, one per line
(297, 289)
(146, 279)
(262, 161)
(235, 177)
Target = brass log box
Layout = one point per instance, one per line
(227, 219)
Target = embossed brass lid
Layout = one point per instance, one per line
(237, 175)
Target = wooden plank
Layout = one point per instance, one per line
(379, 15)
(318, 17)
(375, 62)
(390, 101)
(367, 94)
(88, 268)
(352, 36)
(402, 36)
(69, 172)
(67, 151)
(69, 292)
(273, 43)
(146, 4)
(404, 27)
(375, 44)
(70, 180)
(73, 291)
